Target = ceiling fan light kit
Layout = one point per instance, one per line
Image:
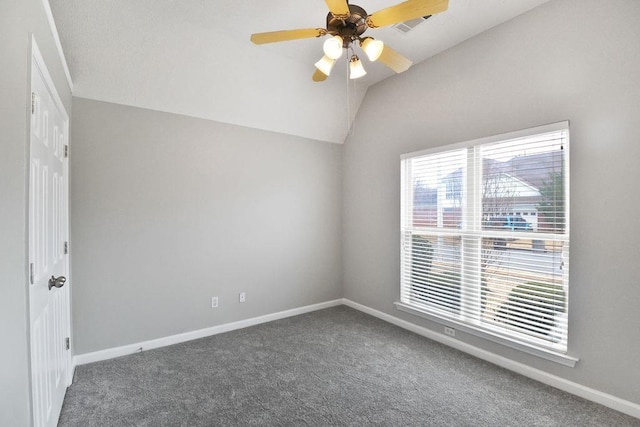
(346, 23)
(373, 48)
(333, 47)
(325, 64)
(356, 70)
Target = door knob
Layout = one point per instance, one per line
(57, 282)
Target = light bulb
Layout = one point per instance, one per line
(373, 48)
(325, 64)
(356, 68)
(333, 47)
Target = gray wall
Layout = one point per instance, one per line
(18, 18)
(569, 59)
(168, 211)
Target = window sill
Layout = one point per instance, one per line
(560, 358)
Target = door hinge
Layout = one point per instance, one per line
(33, 102)
(66, 343)
(66, 248)
(31, 273)
(66, 151)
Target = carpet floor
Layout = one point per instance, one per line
(333, 367)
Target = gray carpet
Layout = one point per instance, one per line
(332, 367)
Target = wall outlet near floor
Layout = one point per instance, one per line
(242, 296)
(450, 331)
(214, 302)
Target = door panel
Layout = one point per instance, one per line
(48, 230)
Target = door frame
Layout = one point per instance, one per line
(38, 65)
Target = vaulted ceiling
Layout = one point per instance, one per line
(194, 57)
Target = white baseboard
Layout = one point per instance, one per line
(602, 398)
(124, 350)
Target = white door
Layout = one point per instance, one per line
(48, 247)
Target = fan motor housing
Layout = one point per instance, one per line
(350, 28)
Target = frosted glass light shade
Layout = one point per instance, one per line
(373, 48)
(333, 47)
(325, 64)
(355, 67)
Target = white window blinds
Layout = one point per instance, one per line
(485, 235)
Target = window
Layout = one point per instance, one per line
(469, 256)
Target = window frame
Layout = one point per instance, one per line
(472, 203)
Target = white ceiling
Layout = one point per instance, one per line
(194, 57)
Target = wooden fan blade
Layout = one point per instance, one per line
(281, 36)
(338, 8)
(405, 11)
(319, 76)
(394, 60)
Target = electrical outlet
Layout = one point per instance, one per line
(214, 302)
(449, 331)
(243, 296)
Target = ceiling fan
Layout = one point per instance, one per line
(346, 23)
